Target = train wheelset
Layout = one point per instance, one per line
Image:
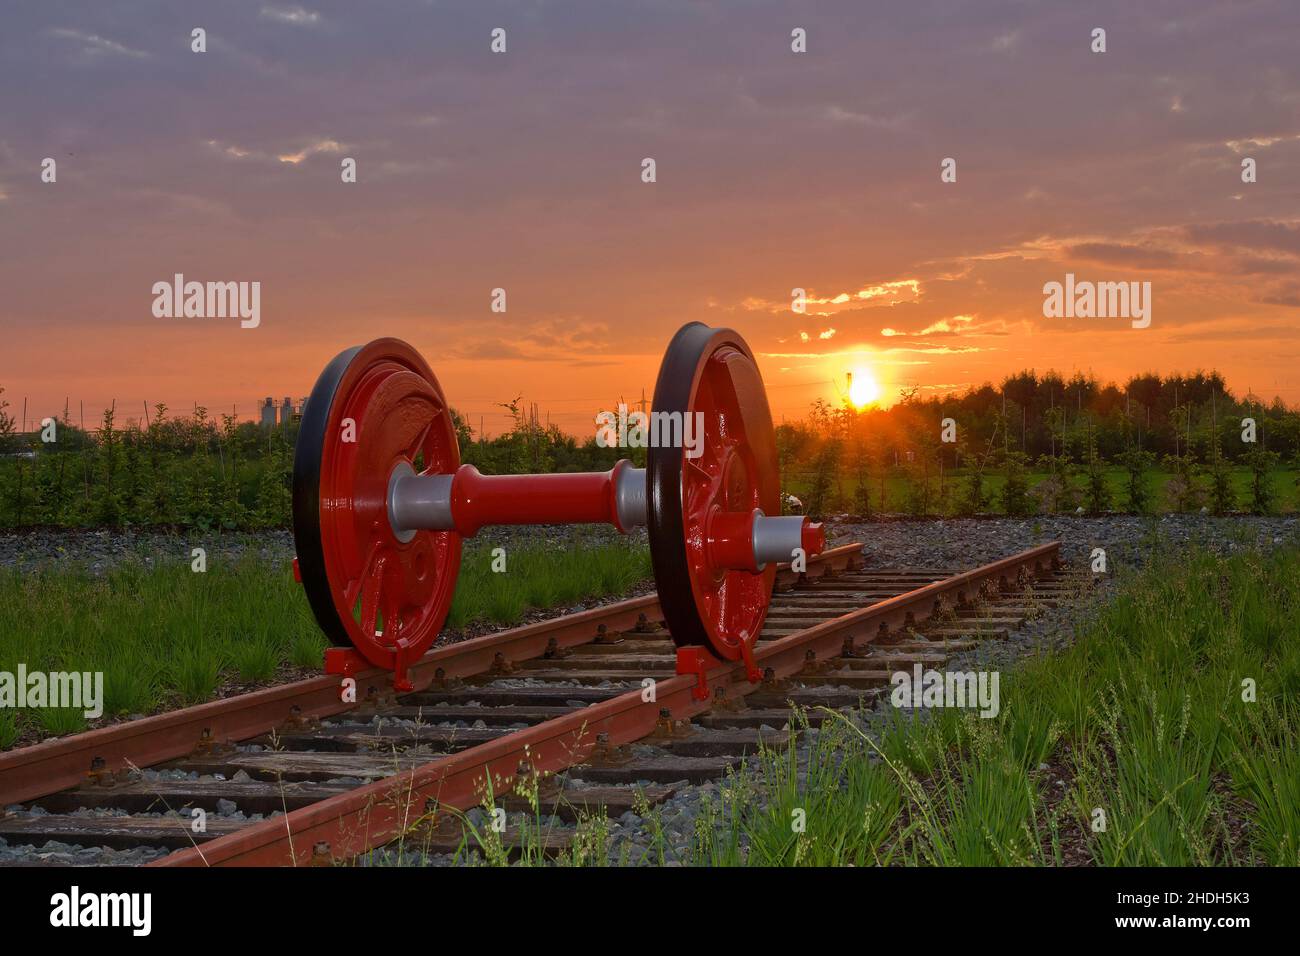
(381, 502)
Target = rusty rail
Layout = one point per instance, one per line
(50, 766)
(351, 823)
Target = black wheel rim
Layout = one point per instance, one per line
(677, 573)
(306, 497)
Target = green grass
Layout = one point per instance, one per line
(8, 729)
(539, 576)
(1173, 717)
(844, 811)
(1144, 716)
(162, 635)
(1285, 484)
(165, 636)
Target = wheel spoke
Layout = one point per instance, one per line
(355, 585)
(392, 614)
(697, 466)
(699, 494)
(417, 445)
(371, 594)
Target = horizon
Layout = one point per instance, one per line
(843, 398)
(775, 171)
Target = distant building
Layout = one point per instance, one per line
(270, 414)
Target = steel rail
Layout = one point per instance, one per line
(47, 767)
(349, 824)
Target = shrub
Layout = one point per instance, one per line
(1136, 465)
(974, 497)
(1184, 490)
(1015, 491)
(1261, 462)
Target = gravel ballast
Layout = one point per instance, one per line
(99, 550)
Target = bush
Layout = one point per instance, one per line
(1057, 492)
(1097, 495)
(1015, 492)
(819, 498)
(1222, 498)
(921, 493)
(1261, 486)
(974, 497)
(862, 494)
(1136, 464)
(1184, 490)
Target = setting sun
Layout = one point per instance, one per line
(863, 389)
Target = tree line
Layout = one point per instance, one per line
(981, 449)
(1034, 443)
(206, 472)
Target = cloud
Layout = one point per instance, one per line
(1279, 235)
(233, 150)
(489, 349)
(1006, 42)
(838, 115)
(311, 149)
(954, 325)
(1240, 146)
(858, 351)
(567, 339)
(1125, 254)
(297, 16)
(94, 45)
(882, 293)
(1289, 297)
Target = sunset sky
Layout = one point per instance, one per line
(522, 170)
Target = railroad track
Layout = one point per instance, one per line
(587, 708)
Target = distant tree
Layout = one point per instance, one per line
(862, 493)
(1097, 493)
(1261, 463)
(1184, 490)
(1059, 491)
(1222, 497)
(919, 499)
(7, 426)
(1015, 489)
(819, 498)
(274, 492)
(974, 497)
(1137, 464)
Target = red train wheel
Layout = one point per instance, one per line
(374, 409)
(711, 371)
